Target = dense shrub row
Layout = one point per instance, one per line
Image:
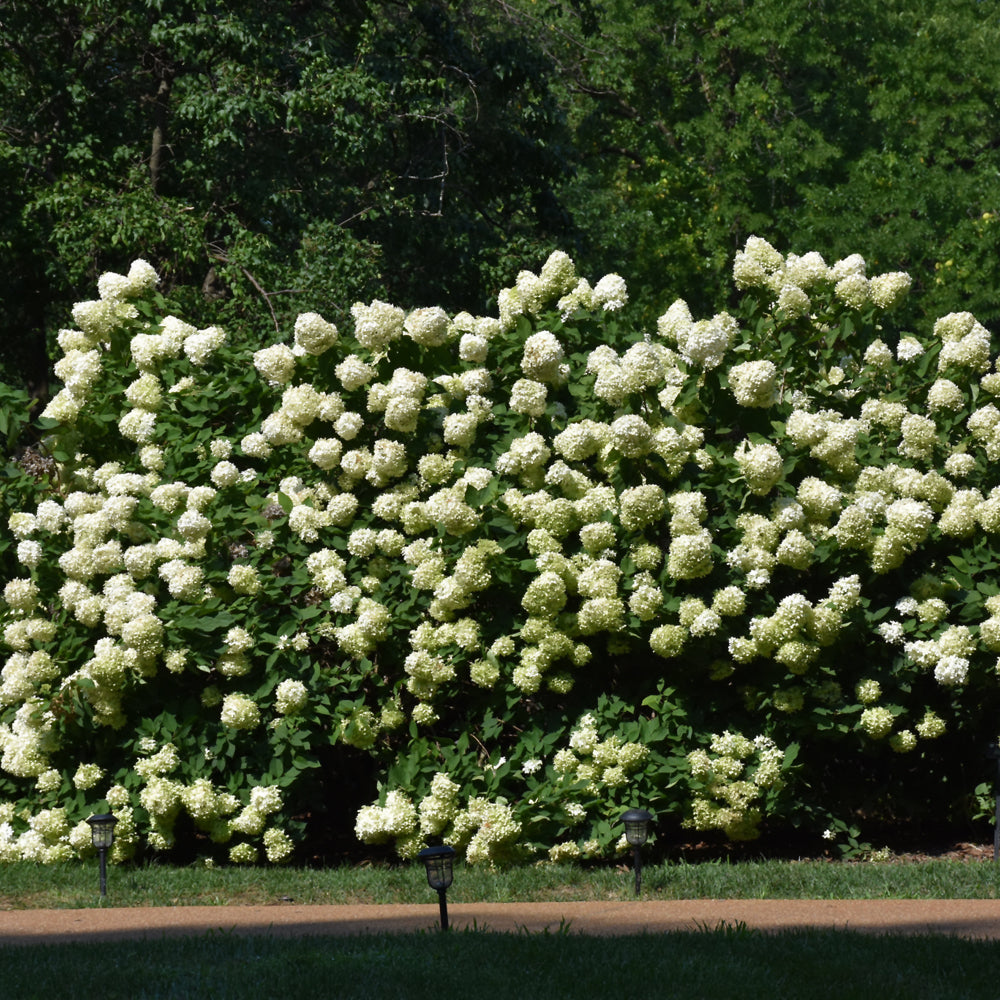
(534, 567)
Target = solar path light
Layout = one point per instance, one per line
(636, 831)
(438, 861)
(102, 833)
(993, 752)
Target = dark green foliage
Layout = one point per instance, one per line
(847, 126)
(268, 160)
(284, 157)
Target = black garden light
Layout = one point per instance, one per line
(636, 831)
(102, 833)
(438, 862)
(993, 752)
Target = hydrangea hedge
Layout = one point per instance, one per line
(534, 568)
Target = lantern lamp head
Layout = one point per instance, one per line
(102, 830)
(636, 826)
(438, 862)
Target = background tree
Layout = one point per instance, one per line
(268, 158)
(301, 156)
(844, 126)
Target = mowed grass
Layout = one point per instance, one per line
(718, 963)
(76, 885)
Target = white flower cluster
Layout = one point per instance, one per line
(690, 554)
(80, 367)
(290, 697)
(791, 279)
(965, 343)
(313, 334)
(729, 778)
(761, 465)
(754, 383)
(48, 837)
(412, 470)
(704, 342)
(608, 762)
(485, 830)
(949, 655)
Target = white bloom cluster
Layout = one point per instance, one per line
(428, 326)
(377, 325)
(528, 397)
(27, 741)
(888, 290)
(290, 697)
(791, 278)
(543, 359)
(277, 845)
(252, 818)
(525, 455)
(641, 506)
(729, 778)
(141, 278)
(485, 829)
(631, 436)
(704, 342)
(754, 383)
(202, 344)
(945, 395)
(965, 343)
(580, 440)
(495, 830)
(240, 712)
(919, 436)
(439, 809)
(853, 290)
(610, 292)
(313, 334)
(48, 839)
(276, 364)
(602, 763)
(761, 465)
(877, 722)
(948, 656)
(755, 263)
(80, 367)
(353, 373)
(951, 670)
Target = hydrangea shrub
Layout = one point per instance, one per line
(536, 567)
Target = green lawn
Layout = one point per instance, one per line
(726, 961)
(76, 885)
(729, 962)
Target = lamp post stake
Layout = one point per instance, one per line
(102, 834)
(636, 831)
(103, 856)
(438, 862)
(443, 907)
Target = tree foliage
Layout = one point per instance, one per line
(269, 157)
(843, 125)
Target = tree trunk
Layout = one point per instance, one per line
(158, 153)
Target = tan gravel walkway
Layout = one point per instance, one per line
(961, 917)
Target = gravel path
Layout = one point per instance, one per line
(970, 918)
